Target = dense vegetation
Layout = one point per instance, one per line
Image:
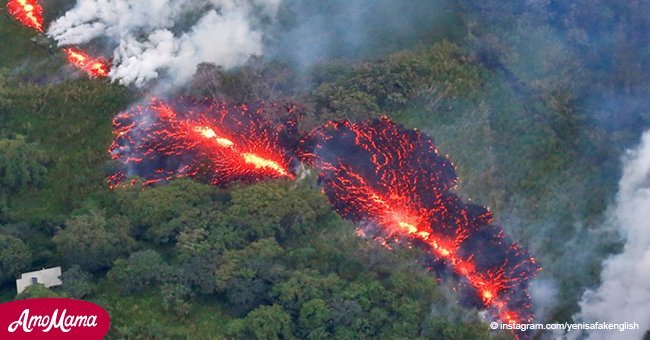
(532, 103)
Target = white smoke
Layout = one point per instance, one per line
(154, 38)
(544, 294)
(624, 295)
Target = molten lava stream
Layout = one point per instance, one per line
(400, 223)
(28, 12)
(376, 171)
(207, 140)
(94, 67)
(256, 160)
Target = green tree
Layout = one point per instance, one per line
(434, 77)
(162, 212)
(278, 209)
(4, 91)
(22, 165)
(176, 298)
(143, 269)
(247, 275)
(206, 229)
(315, 315)
(344, 313)
(437, 327)
(303, 286)
(14, 257)
(93, 241)
(4, 206)
(199, 271)
(37, 291)
(269, 322)
(77, 282)
(257, 80)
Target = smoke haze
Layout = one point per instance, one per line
(312, 31)
(156, 38)
(165, 39)
(624, 295)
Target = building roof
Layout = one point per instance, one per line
(49, 277)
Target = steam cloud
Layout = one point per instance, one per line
(153, 38)
(624, 295)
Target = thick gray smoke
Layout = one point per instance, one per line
(155, 38)
(624, 295)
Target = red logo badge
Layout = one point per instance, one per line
(53, 318)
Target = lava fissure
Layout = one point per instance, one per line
(376, 171)
(204, 139)
(27, 12)
(94, 67)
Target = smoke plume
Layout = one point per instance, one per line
(355, 29)
(163, 38)
(624, 295)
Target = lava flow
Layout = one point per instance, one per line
(94, 67)
(28, 12)
(203, 139)
(378, 174)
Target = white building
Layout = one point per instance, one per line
(49, 277)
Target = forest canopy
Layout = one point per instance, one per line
(532, 101)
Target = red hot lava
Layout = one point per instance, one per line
(378, 173)
(94, 67)
(28, 12)
(203, 139)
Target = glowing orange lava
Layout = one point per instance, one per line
(392, 181)
(198, 138)
(209, 133)
(262, 163)
(257, 161)
(94, 67)
(28, 12)
(398, 224)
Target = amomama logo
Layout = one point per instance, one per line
(53, 318)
